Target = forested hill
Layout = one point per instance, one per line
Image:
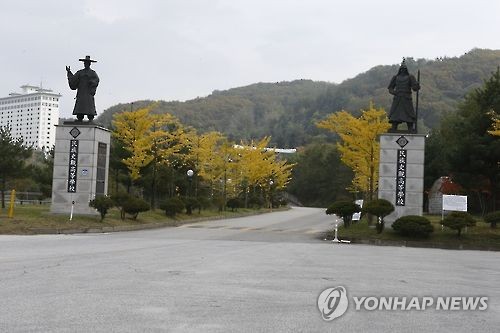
(288, 110)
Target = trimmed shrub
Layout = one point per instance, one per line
(413, 226)
(173, 206)
(492, 218)
(102, 204)
(234, 204)
(134, 206)
(380, 208)
(458, 221)
(344, 209)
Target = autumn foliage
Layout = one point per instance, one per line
(359, 146)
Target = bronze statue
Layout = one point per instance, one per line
(85, 81)
(402, 110)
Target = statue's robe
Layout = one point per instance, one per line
(85, 81)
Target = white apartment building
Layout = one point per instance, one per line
(32, 116)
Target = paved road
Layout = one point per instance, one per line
(253, 274)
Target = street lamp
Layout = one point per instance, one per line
(271, 194)
(190, 174)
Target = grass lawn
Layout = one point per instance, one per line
(480, 236)
(32, 219)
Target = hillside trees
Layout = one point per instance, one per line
(287, 111)
(359, 146)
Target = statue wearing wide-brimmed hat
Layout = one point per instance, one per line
(85, 81)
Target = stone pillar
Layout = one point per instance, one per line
(401, 173)
(81, 163)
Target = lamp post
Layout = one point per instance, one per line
(190, 174)
(271, 194)
(189, 200)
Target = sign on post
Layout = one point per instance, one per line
(454, 203)
(357, 216)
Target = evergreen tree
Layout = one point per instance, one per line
(13, 162)
(473, 154)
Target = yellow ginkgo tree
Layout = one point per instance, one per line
(496, 124)
(152, 140)
(359, 146)
(260, 167)
(132, 129)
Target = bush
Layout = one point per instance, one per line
(458, 221)
(119, 199)
(173, 206)
(492, 218)
(344, 209)
(256, 202)
(218, 202)
(234, 204)
(134, 206)
(102, 204)
(203, 203)
(380, 208)
(190, 203)
(413, 226)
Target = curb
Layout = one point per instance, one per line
(137, 227)
(416, 244)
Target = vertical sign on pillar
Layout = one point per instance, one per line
(401, 178)
(73, 165)
(73, 160)
(401, 171)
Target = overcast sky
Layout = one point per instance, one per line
(182, 49)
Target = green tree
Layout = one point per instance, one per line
(380, 208)
(319, 176)
(458, 220)
(102, 204)
(344, 209)
(13, 162)
(471, 152)
(42, 171)
(134, 206)
(492, 218)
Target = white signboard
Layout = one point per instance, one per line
(455, 202)
(357, 216)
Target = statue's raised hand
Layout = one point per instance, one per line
(68, 69)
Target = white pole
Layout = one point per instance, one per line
(336, 240)
(71, 214)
